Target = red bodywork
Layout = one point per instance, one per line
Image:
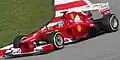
(68, 29)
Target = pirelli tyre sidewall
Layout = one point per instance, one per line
(110, 22)
(56, 39)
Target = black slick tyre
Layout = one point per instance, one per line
(17, 41)
(110, 23)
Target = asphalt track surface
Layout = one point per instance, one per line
(103, 47)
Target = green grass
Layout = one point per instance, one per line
(18, 17)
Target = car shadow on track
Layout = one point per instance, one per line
(83, 39)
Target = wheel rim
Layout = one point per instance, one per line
(59, 40)
(114, 23)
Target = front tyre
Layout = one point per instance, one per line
(56, 39)
(17, 41)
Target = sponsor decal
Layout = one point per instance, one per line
(56, 30)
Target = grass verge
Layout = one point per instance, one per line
(19, 17)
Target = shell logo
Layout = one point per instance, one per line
(79, 28)
(56, 30)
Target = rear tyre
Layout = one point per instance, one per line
(17, 41)
(56, 39)
(110, 22)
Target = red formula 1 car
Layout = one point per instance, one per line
(70, 27)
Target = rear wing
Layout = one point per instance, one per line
(103, 8)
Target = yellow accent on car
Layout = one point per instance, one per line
(72, 16)
(56, 30)
(78, 28)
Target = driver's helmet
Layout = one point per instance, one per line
(60, 23)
